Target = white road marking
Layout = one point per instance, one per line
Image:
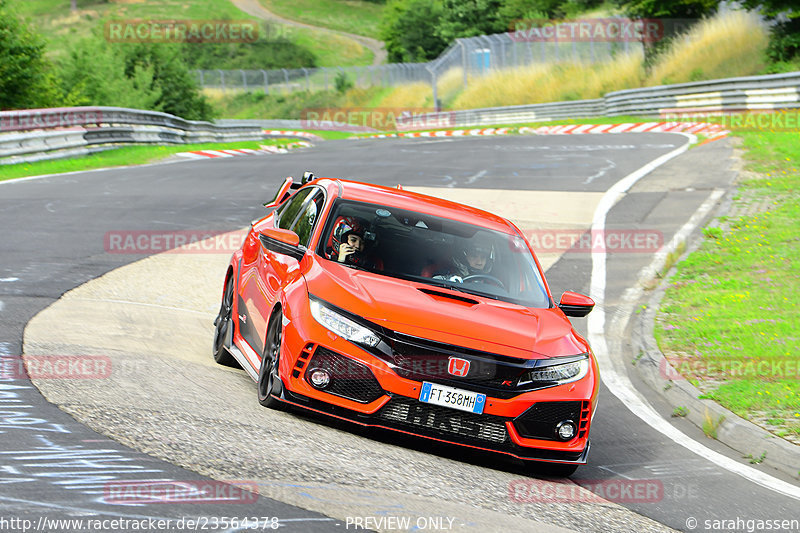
(618, 382)
(8, 280)
(600, 173)
(475, 177)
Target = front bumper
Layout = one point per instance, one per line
(370, 395)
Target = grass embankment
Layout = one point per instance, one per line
(63, 28)
(730, 320)
(352, 16)
(124, 156)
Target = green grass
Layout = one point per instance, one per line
(62, 29)
(128, 155)
(730, 317)
(352, 16)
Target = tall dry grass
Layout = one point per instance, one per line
(552, 82)
(450, 84)
(410, 95)
(728, 45)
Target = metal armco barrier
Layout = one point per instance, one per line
(754, 93)
(38, 134)
(33, 135)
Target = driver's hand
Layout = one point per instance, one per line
(344, 251)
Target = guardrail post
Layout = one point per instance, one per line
(266, 82)
(308, 82)
(244, 79)
(222, 79)
(286, 79)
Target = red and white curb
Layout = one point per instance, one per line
(292, 133)
(265, 149)
(714, 131)
(441, 133)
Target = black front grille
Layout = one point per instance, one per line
(539, 422)
(425, 360)
(349, 378)
(443, 422)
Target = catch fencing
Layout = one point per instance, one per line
(467, 57)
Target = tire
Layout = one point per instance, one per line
(269, 380)
(223, 332)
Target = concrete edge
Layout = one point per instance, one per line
(652, 366)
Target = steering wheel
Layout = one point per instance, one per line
(493, 280)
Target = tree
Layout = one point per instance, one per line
(408, 28)
(785, 33)
(468, 18)
(27, 79)
(675, 18)
(686, 9)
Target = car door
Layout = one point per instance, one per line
(271, 270)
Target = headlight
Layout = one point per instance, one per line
(343, 326)
(558, 373)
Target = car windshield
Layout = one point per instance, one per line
(434, 250)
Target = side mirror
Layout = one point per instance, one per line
(282, 241)
(574, 304)
(282, 193)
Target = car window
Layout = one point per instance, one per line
(288, 211)
(305, 222)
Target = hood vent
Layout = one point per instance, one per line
(449, 296)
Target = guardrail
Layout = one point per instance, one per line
(33, 135)
(754, 93)
(38, 134)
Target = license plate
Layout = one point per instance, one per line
(462, 400)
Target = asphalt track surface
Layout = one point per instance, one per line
(53, 242)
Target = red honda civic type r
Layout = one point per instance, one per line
(397, 310)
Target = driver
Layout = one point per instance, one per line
(475, 257)
(348, 242)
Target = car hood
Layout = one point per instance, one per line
(446, 316)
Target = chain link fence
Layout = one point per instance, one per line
(466, 58)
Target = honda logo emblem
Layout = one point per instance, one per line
(458, 367)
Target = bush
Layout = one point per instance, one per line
(342, 83)
(27, 79)
(140, 76)
(266, 53)
(409, 29)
